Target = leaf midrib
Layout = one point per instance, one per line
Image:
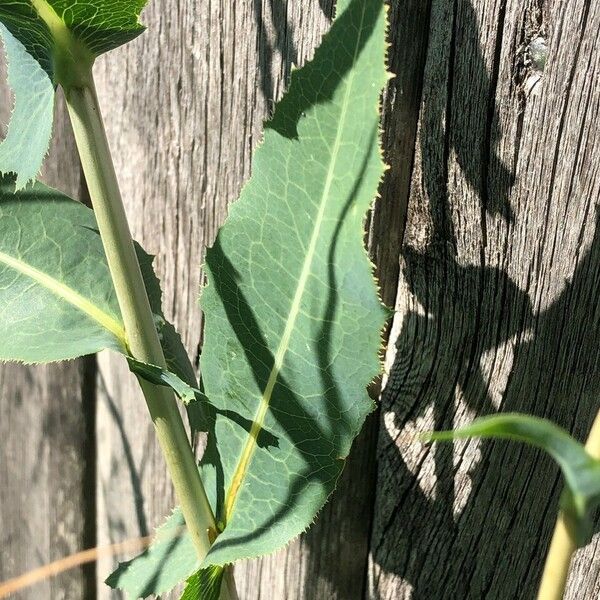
(58, 28)
(69, 295)
(72, 59)
(258, 421)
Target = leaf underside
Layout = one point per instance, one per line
(35, 34)
(580, 470)
(57, 300)
(26, 144)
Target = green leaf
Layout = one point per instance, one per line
(26, 144)
(51, 42)
(158, 376)
(57, 299)
(56, 295)
(50, 29)
(580, 470)
(205, 584)
(170, 560)
(293, 319)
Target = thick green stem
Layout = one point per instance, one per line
(563, 545)
(143, 340)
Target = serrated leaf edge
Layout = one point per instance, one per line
(251, 445)
(157, 532)
(20, 181)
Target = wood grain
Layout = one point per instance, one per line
(497, 304)
(47, 451)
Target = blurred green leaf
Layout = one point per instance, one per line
(580, 470)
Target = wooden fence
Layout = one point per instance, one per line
(486, 242)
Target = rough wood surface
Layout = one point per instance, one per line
(46, 440)
(498, 301)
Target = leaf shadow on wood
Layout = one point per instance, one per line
(283, 43)
(327, 7)
(512, 490)
(116, 528)
(283, 33)
(483, 532)
(132, 469)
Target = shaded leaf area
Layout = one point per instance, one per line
(57, 300)
(43, 26)
(170, 560)
(48, 42)
(293, 321)
(580, 470)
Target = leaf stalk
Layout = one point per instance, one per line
(563, 544)
(144, 343)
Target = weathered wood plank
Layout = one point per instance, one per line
(497, 307)
(46, 454)
(408, 33)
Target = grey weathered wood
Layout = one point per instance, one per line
(46, 454)
(497, 307)
(408, 27)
